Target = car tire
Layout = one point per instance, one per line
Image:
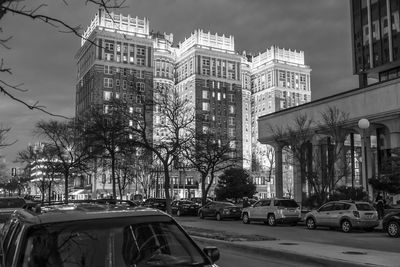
(218, 216)
(178, 213)
(393, 229)
(201, 215)
(310, 223)
(345, 226)
(271, 220)
(246, 219)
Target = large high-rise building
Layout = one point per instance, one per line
(208, 73)
(115, 60)
(279, 80)
(120, 58)
(375, 26)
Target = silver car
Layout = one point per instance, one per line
(273, 211)
(345, 215)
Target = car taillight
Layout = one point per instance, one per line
(356, 214)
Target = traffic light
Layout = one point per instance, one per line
(13, 172)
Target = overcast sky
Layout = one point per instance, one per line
(42, 58)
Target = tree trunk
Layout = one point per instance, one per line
(167, 187)
(66, 176)
(114, 189)
(49, 192)
(203, 189)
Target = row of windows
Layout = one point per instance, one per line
(206, 107)
(108, 95)
(123, 71)
(109, 83)
(124, 48)
(219, 96)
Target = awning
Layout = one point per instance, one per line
(79, 192)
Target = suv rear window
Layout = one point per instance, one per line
(364, 207)
(120, 243)
(288, 203)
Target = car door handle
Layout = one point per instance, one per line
(340, 212)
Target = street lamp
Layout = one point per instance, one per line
(363, 124)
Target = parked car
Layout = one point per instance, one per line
(9, 204)
(198, 200)
(184, 207)
(156, 203)
(220, 210)
(91, 234)
(273, 211)
(345, 215)
(391, 224)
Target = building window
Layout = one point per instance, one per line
(106, 95)
(107, 69)
(205, 94)
(140, 51)
(108, 82)
(231, 109)
(231, 121)
(140, 61)
(206, 106)
(231, 132)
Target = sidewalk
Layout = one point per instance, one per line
(316, 254)
(313, 253)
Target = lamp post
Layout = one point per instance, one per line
(363, 124)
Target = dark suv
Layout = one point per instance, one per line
(156, 203)
(9, 204)
(91, 234)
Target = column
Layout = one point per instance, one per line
(297, 182)
(366, 162)
(278, 171)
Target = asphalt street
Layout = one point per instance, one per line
(357, 239)
(233, 257)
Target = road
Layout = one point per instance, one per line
(357, 239)
(232, 257)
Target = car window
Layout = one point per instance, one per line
(327, 207)
(119, 243)
(227, 204)
(288, 203)
(266, 202)
(364, 207)
(341, 206)
(13, 243)
(258, 204)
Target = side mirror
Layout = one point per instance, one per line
(212, 253)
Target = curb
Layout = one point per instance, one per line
(279, 254)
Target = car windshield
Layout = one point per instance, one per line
(364, 206)
(115, 243)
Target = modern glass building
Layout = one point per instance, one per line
(375, 40)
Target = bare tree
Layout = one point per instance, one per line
(69, 150)
(172, 133)
(107, 133)
(209, 153)
(38, 13)
(332, 129)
